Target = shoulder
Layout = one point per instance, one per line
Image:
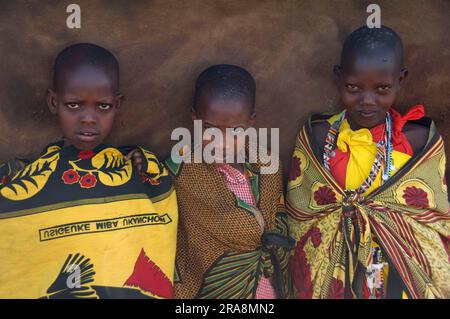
(417, 135)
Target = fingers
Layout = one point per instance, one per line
(136, 157)
(131, 154)
(137, 161)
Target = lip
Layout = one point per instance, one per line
(87, 135)
(367, 114)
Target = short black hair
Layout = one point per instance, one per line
(227, 82)
(84, 54)
(365, 40)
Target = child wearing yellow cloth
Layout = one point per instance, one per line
(369, 219)
(80, 221)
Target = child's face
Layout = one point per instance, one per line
(86, 103)
(368, 87)
(221, 114)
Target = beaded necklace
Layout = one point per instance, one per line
(383, 159)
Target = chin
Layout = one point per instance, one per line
(86, 147)
(371, 123)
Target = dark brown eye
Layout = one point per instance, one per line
(104, 106)
(352, 87)
(384, 88)
(72, 106)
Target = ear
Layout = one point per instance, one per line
(252, 119)
(51, 101)
(119, 100)
(403, 74)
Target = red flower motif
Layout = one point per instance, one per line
(84, 155)
(316, 237)
(152, 181)
(416, 197)
(88, 181)
(300, 268)
(70, 177)
(295, 168)
(336, 289)
(324, 196)
(301, 273)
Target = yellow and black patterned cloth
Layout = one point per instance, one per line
(86, 224)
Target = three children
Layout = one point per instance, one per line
(366, 217)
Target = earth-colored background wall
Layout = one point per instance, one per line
(289, 46)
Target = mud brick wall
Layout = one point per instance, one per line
(289, 46)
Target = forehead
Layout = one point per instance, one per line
(383, 65)
(224, 111)
(85, 77)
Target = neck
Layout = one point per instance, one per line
(67, 143)
(354, 126)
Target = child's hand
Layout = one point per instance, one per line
(10, 170)
(136, 157)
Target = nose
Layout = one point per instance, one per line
(88, 117)
(368, 99)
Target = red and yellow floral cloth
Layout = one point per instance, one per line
(334, 230)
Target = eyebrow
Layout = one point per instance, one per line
(107, 97)
(73, 97)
